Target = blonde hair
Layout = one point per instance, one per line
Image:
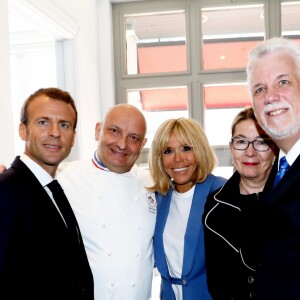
(187, 131)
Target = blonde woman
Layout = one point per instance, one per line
(181, 162)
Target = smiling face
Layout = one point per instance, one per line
(275, 89)
(180, 163)
(121, 138)
(49, 134)
(249, 163)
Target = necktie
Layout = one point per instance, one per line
(65, 209)
(283, 167)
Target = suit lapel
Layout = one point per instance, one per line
(287, 180)
(37, 192)
(193, 231)
(18, 165)
(27, 176)
(162, 215)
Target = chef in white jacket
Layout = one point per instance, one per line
(116, 214)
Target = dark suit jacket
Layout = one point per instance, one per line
(193, 279)
(38, 259)
(278, 277)
(230, 237)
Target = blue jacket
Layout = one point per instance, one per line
(193, 280)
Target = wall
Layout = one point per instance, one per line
(89, 77)
(6, 117)
(93, 61)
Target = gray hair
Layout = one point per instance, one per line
(271, 46)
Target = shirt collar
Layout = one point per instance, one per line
(97, 163)
(292, 155)
(42, 176)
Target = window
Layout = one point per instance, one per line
(227, 46)
(158, 103)
(222, 108)
(289, 20)
(173, 58)
(150, 40)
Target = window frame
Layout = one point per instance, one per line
(194, 78)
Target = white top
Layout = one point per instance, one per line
(116, 216)
(174, 233)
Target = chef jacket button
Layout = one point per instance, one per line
(137, 254)
(108, 253)
(183, 282)
(103, 226)
(250, 279)
(112, 284)
(133, 284)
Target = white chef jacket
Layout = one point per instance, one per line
(116, 216)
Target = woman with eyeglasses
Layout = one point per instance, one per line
(232, 212)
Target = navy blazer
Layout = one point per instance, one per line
(38, 259)
(193, 279)
(278, 276)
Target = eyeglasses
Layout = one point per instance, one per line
(261, 145)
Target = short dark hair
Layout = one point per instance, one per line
(53, 93)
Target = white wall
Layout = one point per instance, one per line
(93, 55)
(90, 76)
(6, 117)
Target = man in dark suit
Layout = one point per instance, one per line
(41, 251)
(274, 84)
